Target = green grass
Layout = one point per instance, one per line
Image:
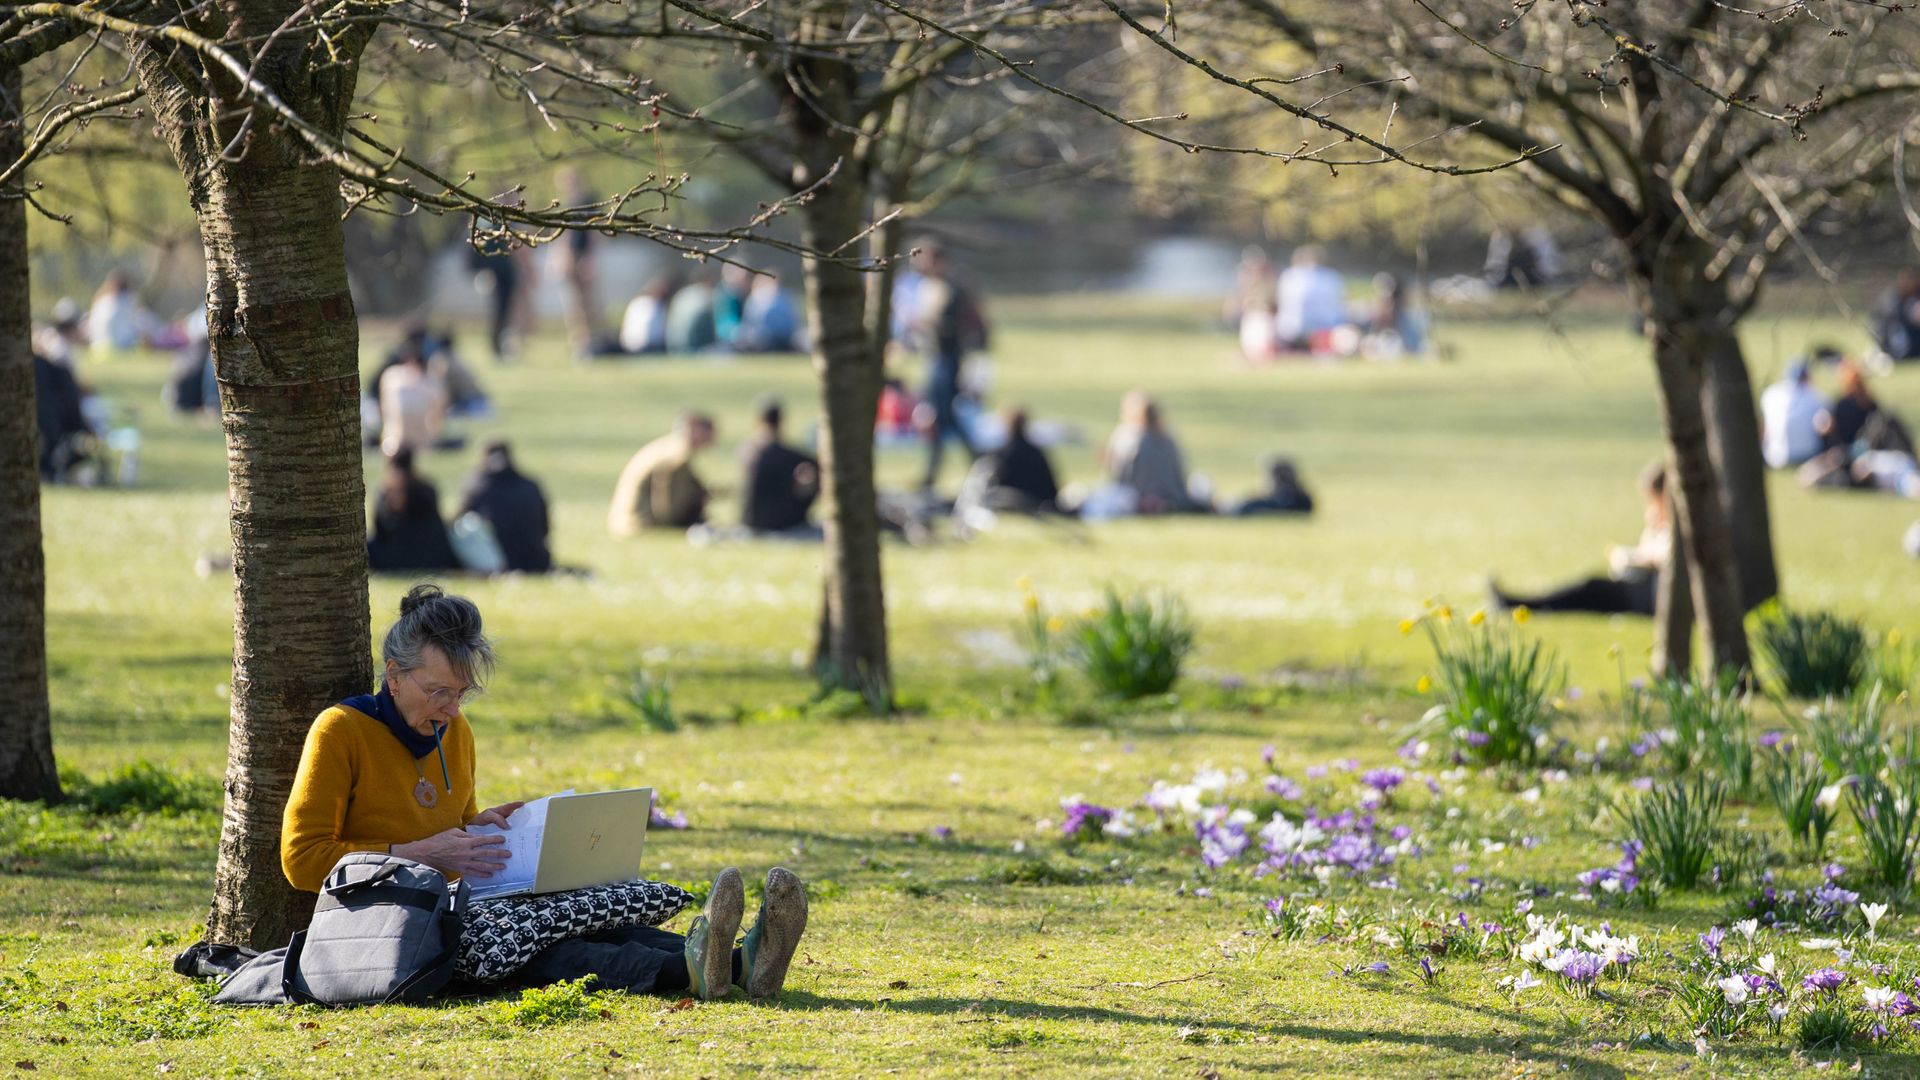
(1002, 949)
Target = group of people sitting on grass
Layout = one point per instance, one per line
(500, 525)
(737, 310)
(1303, 311)
(1144, 473)
(1849, 441)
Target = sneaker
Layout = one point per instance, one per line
(710, 938)
(769, 946)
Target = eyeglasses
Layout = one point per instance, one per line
(445, 697)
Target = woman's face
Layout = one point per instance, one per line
(429, 695)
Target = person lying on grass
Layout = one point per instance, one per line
(394, 772)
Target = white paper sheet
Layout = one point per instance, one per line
(526, 832)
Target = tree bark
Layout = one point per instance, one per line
(1680, 360)
(285, 350)
(26, 740)
(1673, 607)
(852, 649)
(1735, 440)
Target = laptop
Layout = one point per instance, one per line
(569, 841)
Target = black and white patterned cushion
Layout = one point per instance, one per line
(498, 937)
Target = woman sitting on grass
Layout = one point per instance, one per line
(1633, 573)
(393, 772)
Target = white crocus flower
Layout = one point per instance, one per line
(1734, 988)
(1878, 997)
(1748, 928)
(1776, 1013)
(1829, 796)
(1765, 966)
(1525, 981)
(1874, 913)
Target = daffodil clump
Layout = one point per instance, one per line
(1499, 689)
(1128, 646)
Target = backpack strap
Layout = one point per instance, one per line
(441, 970)
(341, 888)
(291, 967)
(363, 893)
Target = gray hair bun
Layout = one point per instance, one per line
(428, 616)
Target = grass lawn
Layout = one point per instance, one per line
(954, 930)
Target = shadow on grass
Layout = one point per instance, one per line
(1203, 1030)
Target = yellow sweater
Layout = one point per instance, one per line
(355, 792)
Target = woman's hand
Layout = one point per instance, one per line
(497, 815)
(457, 851)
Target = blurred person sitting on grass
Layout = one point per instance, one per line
(781, 482)
(659, 489)
(512, 505)
(1284, 493)
(395, 772)
(408, 535)
(413, 404)
(1141, 458)
(1015, 477)
(1633, 573)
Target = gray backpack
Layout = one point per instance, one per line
(386, 929)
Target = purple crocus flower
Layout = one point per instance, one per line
(1383, 780)
(1580, 968)
(1825, 981)
(1283, 788)
(1478, 738)
(1378, 967)
(1080, 815)
(1316, 772)
(660, 819)
(943, 832)
(1772, 739)
(1277, 906)
(1712, 940)
(1267, 753)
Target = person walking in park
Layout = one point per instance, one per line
(949, 323)
(512, 505)
(395, 772)
(576, 259)
(659, 488)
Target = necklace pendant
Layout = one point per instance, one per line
(424, 794)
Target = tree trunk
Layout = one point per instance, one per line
(1673, 608)
(26, 740)
(852, 650)
(1735, 430)
(1680, 360)
(286, 353)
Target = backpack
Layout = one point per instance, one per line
(385, 930)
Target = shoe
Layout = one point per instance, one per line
(710, 938)
(769, 946)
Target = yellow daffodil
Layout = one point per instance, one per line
(1893, 638)
(1613, 651)
(1521, 614)
(1032, 602)
(1023, 583)
(1424, 685)
(1056, 624)
(1406, 626)
(1430, 603)
(1476, 618)
(1444, 613)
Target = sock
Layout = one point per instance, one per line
(673, 976)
